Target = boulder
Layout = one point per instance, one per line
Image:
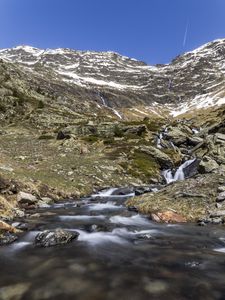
(7, 238)
(221, 197)
(194, 141)
(168, 217)
(162, 158)
(123, 191)
(62, 135)
(26, 198)
(49, 238)
(207, 165)
(221, 189)
(177, 136)
(6, 227)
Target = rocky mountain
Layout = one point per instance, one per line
(73, 122)
(108, 83)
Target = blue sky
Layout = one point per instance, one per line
(149, 30)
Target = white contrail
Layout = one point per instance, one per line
(185, 34)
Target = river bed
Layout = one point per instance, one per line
(119, 254)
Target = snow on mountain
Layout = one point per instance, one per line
(194, 80)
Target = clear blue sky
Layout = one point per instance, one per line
(149, 30)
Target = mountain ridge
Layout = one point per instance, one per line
(126, 87)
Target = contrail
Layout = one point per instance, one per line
(185, 34)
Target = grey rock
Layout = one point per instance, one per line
(162, 158)
(7, 238)
(207, 165)
(221, 189)
(14, 291)
(221, 197)
(55, 237)
(26, 198)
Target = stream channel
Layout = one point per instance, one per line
(119, 254)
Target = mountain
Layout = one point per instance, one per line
(107, 83)
(74, 122)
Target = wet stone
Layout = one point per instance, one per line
(7, 238)
(49, 238)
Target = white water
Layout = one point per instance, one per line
(136, 220)
(81, 217)
(179, 174)
(104, 206)
(99, 237)
(108, 193)
(114, 110)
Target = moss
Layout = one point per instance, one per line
(46, 137)
(118, 132)
(40, 104)
(109, 141)
(141, 166)
(174, 155)
(91, 138)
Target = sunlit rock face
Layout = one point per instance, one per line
(117, 84)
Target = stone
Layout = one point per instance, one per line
(168, 217)
(162, 158)
(207, 165)
(49, 238)
(63, 135)
(26, 198)
(218, 213)
(7, 238)
(220, 197)
(194, 141)
(14, 292)
(6, 227)
(221, 189)
(177, 136)
(123, 191)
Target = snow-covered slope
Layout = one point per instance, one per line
(195, 80)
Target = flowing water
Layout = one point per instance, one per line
(119, 255)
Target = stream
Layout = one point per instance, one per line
(119, 254)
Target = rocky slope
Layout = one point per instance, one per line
(94, 81)
(79, 121)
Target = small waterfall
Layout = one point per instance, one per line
(159, 139)
(104, 103)
(179, 174)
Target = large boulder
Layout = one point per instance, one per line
(26, 198)
(49, 238)
(221, 197)
(162, 158)
(207, 165)
(176, 136)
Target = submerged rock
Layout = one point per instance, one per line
(55, 237)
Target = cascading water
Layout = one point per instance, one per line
(179, 174)
(104, 103)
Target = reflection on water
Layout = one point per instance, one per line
(118, 255)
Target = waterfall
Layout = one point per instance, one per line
(104, 103)
(159, 139)
(179, 174)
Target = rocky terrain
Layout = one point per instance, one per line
(74, 122)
